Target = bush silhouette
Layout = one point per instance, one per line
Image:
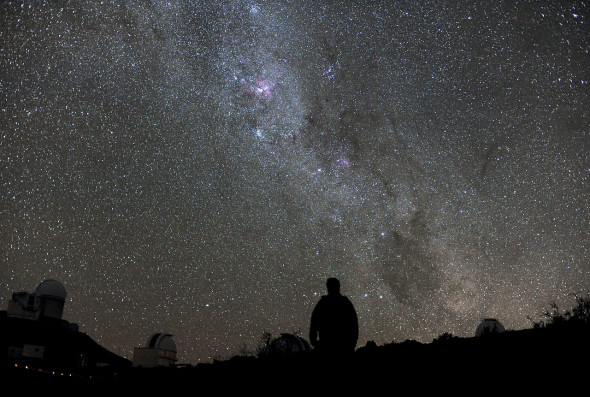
(554, 317)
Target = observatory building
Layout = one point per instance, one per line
(37, 338)
(159, 351)
(489, 326)
(47, 301)
(287, 344)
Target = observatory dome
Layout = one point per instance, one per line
(51, 288)
(489, 326)
(160, 350)
(161, 341)
(289, 343)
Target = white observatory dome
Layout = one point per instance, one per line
(161, 341)
(51, 288)
(159, 351)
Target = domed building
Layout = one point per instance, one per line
(287, 344)
(47, 301)
(36, 336)
(489, 326)
(159, 351)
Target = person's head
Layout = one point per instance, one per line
(333, 286)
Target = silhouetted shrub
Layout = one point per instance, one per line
(553, 316)
(264, 344)
(444, 337)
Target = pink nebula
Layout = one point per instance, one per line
(261, 88)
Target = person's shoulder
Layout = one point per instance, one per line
(323, 299)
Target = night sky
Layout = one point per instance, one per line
(201, 168)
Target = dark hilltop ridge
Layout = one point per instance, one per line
(536, 358)
(53, 346)
(48, 352)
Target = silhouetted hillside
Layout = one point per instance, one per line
(48, 346)
(541, 358)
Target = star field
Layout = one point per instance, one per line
(201, 169)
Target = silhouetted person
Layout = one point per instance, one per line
(335, 322)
